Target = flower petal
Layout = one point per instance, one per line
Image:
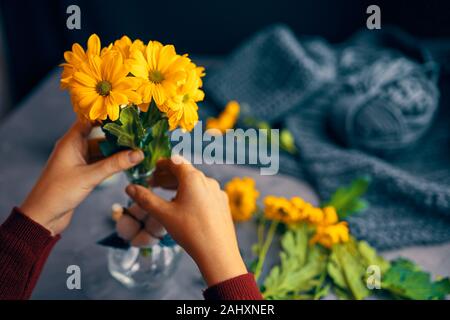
(94, 45)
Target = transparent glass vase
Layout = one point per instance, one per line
(148, 267)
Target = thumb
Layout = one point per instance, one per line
(118, 162)
(150, 202)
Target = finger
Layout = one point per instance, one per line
(137, 212)
(225, 200)
(144, 239)
(176, 165)
(75, 136)
(155, 228)
(99, 171)
(84, 127)
(163, 179)
(81, 128)
(150, 202)
(127, 227)
(213, 183)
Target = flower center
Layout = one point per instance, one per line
(185, 98)
(237, 201)
(155, 76)
(103, 88)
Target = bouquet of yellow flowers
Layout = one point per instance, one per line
(137, 92)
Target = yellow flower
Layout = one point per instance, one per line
(328, 230)
(226, 120)
(100, 81)
(242, 196)
(125, 46)
(281, 209)
(161, 70)
(76, 57)
(327, 235)
(182, 108)
(300, 205)
(312, 214)
(101, 86)
(329, 215)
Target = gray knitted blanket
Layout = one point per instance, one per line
(369, 106)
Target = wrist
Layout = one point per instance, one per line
(36, 215)
(218, 268)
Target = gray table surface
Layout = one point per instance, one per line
(27, 137)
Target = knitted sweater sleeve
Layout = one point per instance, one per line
(242, 287)
(24, 248)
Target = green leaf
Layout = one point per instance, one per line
(155, 144)
(128, 129)
(371, 257)
(151, 117)
(347, 200)
(336, 272)
(404, 279)
(347, 269)
(300, 272)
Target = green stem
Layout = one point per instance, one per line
(263, 252)
(260, 230)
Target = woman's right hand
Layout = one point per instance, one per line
(198, 218)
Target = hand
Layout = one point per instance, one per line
(68, 178)
(198, 218)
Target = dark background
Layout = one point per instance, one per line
(36, 36)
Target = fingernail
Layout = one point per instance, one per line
(131, 190)
(136, 156)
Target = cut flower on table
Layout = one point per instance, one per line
(319, 255)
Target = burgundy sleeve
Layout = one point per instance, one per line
(242, 287)
(24, 248)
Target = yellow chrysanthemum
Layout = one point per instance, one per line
(161, 70)
(76, 57)
(281, 209)
(182, 108)
(300, 205)
(327, 235)
(242, 196)
(125, 46)
(101, 86)
(226, 120)
(200, 71)
(313, 215)
(329, 215)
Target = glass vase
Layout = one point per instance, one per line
(148, 267)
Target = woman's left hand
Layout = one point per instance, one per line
(68, 178)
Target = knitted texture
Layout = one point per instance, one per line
(271, 73)
(242, 287)
(383, 102)
(409, 195)
(376, 113)
(24, 248)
